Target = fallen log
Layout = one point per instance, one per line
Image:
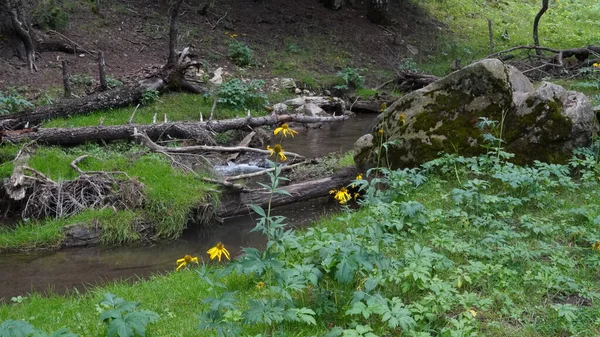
(370, 106)
(181, 130)
(204, 148)
(104, 100)
(239, 204)
(408, 81)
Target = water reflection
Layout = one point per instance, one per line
(82, 268)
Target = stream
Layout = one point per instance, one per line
(77, 269)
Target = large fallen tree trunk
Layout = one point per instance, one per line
(104, 100)
(238, 204)
(181, 130)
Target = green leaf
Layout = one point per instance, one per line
(110, 314)
(345, 270)
(258, 210)
(12, 328)
(335, 332)
(371, 283)
(118, 327)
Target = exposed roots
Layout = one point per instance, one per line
(67, 198)
(92, 189)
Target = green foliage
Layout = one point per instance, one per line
(11, 103)
(81, 79)
(242, 95)
(123, 319)
(49, 15)
(12, 328)
(113, 82)
(240, 53)
(352, 78)
(149, 96)
(409, 64)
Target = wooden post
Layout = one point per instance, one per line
(66, 82)
(491, 33)
(102, 68)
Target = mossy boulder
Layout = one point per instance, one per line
(550, 122)
(544, 124)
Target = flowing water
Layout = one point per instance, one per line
(81, 268)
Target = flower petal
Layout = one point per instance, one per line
(226, 254)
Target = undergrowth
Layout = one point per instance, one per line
(458, 247)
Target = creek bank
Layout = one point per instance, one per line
(315, 142)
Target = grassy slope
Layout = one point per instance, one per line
(567, 24)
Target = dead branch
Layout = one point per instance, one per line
(259, 173)
(297, 192)
(181, 130)
(203, 148)
(71, 41)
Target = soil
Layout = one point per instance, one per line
(134, 35)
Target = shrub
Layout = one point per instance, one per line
(81, 79)
(240, 53)
(149, 96)
(48, 15)
(11, 103)
(352, 78)
(242, 95)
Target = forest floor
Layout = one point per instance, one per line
(292, 38)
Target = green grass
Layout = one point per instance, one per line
(170, 197)
(567, 24)
(488, 243)
(177, 107)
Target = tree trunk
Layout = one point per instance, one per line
(14, 21)
(105, 100)
(378, 12)
(238, 204)
(182, 130)
(536, 22)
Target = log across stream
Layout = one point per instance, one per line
(81, 268)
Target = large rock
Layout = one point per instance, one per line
(544, 124)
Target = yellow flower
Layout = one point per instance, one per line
(185, 260)
(260, 285)
(380, 132)
(402, 119)
(596, 65)
(277, 150)
(382, 107)
(218, 251)
(596, 246)
(285, 130)
(359, 176)
(233, 35)
(342, 195)
(473, 312)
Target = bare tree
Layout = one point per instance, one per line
(536, 22)
(378, 11)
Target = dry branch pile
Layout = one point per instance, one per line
(36, 196)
